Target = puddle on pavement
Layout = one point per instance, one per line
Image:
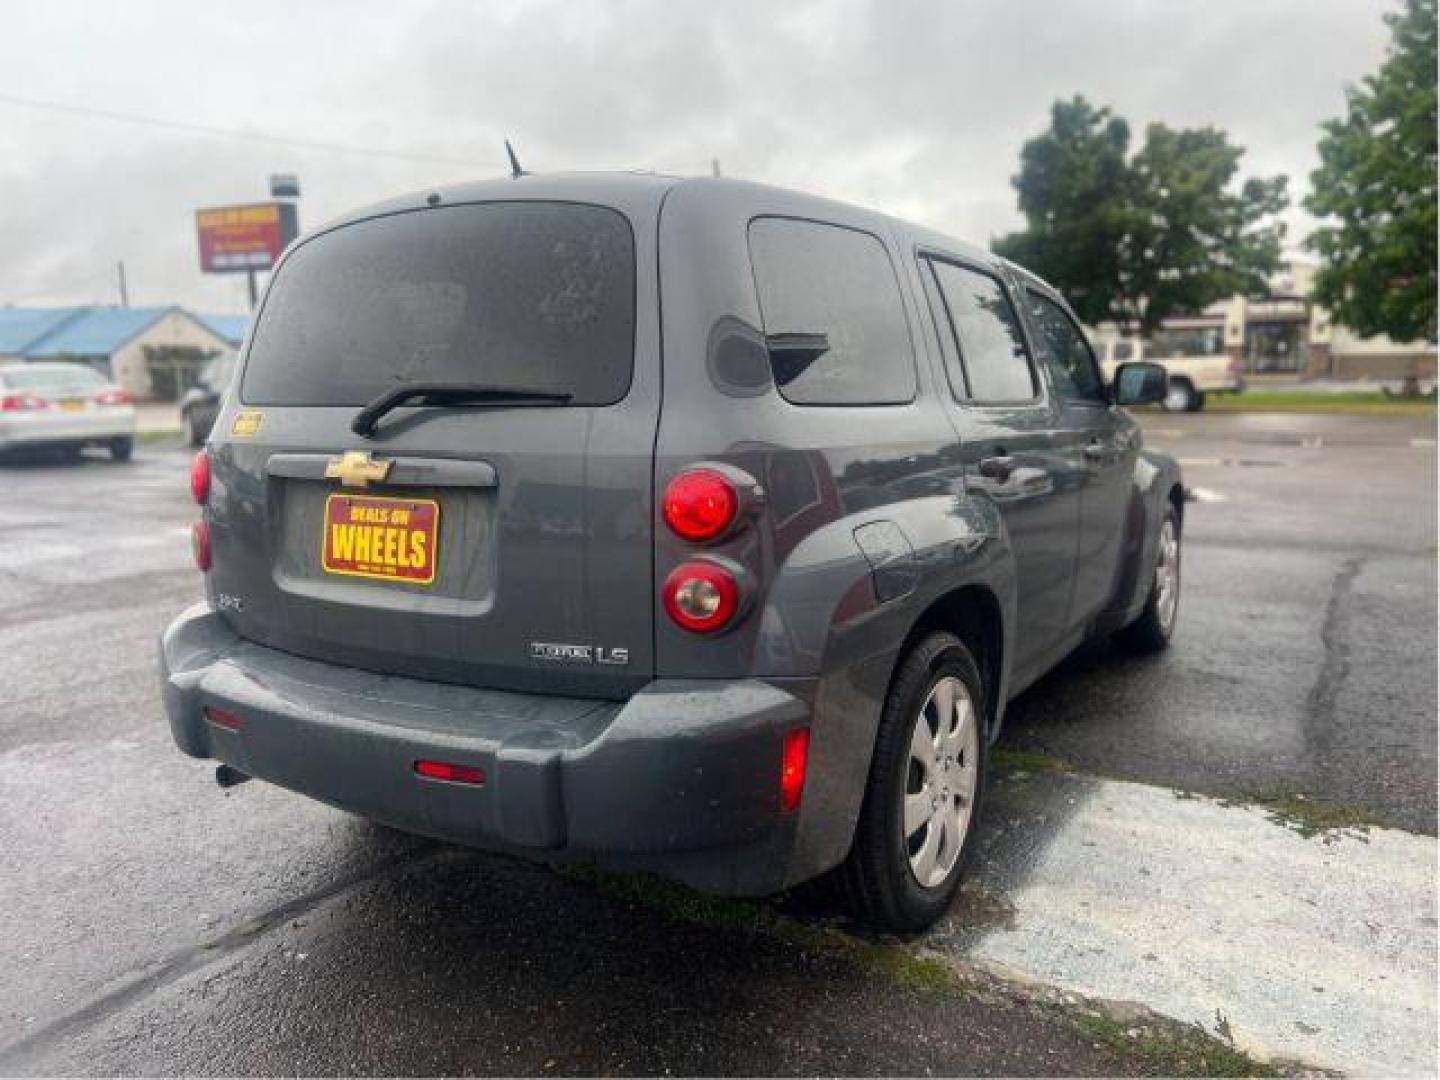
(978, 908)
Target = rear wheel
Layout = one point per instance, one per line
(122, 447)
(923, 798)
(1151, 632)
(1199, 404)
(1180, 397)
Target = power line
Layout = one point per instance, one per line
(232, 133)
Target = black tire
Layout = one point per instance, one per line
(1152, 630)
(196, 436)
(1180, 397)
(876, 881)
(122, 447)
(1198, 405)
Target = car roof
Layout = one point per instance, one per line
(602, 188)
(646, 191)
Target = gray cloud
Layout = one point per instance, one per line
(916, 108)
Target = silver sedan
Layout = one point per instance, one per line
(64, 405)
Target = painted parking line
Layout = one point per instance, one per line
(1316, 949)
(1420, 444)
(1205, 495)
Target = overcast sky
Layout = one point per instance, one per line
(918, 109)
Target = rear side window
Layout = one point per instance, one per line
(833, 290)
(992, 348)
(1064, 353)
(532, 295)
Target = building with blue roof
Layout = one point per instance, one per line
(20, 327)
(114, 341)
(230, 327)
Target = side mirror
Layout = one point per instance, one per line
(1140, 383)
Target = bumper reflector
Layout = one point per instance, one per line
(793, 755)
(445, 770)
(222, 719)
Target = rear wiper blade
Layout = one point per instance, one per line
(449, 393)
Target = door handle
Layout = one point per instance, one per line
(998, 468)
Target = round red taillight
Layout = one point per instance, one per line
(200, 544)
(200, 477)
(699, 504)
(700, 596)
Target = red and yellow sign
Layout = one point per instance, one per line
(389, 539)
(239, 238)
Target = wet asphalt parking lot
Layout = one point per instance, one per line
(151, 923)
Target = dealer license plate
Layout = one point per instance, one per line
(373, 537)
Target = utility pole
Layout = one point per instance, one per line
(124, 292)
(285, 188)
(250, 278)
(714, 166)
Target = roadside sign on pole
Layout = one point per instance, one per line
(241, 239)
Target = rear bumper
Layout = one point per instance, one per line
(682, 779)
(49, 426)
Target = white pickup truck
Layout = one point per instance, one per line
(1192, 377)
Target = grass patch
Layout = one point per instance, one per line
(1313, 817)
(892, 961)
(1020, 760)
(1168, 1047)
(143, 437)
(1154, 1044)
(1353, 402)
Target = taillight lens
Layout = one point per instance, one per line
(793, 756)
(113, 396)
(699, 504)
(700, 596)
(22, 403)
(200, 477)
(200, 544)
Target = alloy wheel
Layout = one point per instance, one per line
(941, 779)
(1167, 576)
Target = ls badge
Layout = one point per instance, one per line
(579, 654)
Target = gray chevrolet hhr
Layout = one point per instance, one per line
(692, 526)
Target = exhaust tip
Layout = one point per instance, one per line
(227, 776)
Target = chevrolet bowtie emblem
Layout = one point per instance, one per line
(356, 468)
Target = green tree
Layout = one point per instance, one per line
(1375, 191)
(1135, 238)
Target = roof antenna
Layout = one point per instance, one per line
(515, 170)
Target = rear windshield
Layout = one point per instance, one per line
(530, 295)
(52, 378)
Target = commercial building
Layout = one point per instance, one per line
(150, 351)
(1288, 336)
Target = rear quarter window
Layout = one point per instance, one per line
(818, 279)
(530, 295)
